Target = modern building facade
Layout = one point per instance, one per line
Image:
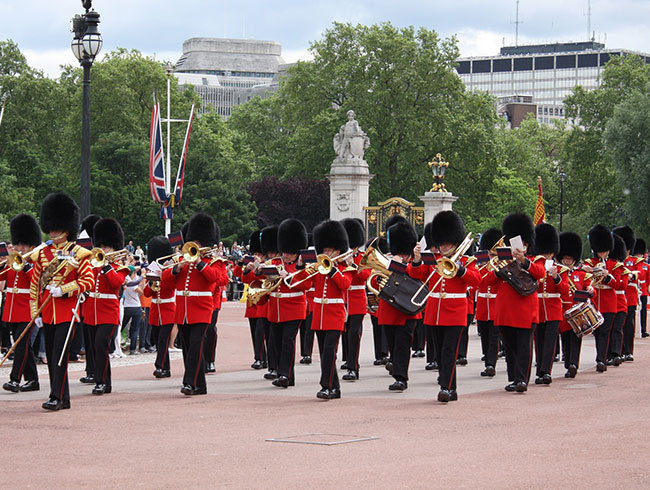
(544, 73)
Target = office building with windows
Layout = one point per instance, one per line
(544, 73)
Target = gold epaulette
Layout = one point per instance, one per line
(537, 257)
(618, 264)
(470, 259)
(122, 267)
(80, 252)
(564, 269)
(638, 260)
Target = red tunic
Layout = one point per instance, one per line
(249, 277)
(620, 291)
(644, 276)
(356, 295)
(605, 297)
(163, 302)
(486, 300)
(102, 307)
(549, 294)
(447, 301)
(512, 309)
(286, 304)
(329, 299)
(632, 290)
(16, 309)
(77, 281)
(577, 277)
(195, 289)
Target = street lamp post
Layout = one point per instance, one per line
(562, 176)
(86, 44)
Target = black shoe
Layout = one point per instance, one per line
(629, 358)
(31, 385)
(502, 353)
(397, 386)
(344, 366)
(601, 367)
(166, 373)
(187, 390)
(539, 380)
(461, 361)
(54, 405)
(351, 375)
(489, 372)
(281, 382)
(13, 386)
(87, 380)
(99, 389)
(418, 353)
(572, 371)
(444, 396)
(257, 365)
(511, 387)
(335, 394)
(381, 362)
(305, 360)
(210, 368)
(389, 367)
(521, 387)
(453, 395)
(645, 334)
(556, 358)
(547, 379)
(271, 374)
(158, 373)
(617, 361)
(482, 358)
(431, 366)
(323, 394)
(200, 391)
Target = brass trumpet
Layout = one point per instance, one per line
(99, 258)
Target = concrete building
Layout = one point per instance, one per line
(543, 73)
(228, 72)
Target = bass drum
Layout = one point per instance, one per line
(584, 318)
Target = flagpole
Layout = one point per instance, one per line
(168, 221)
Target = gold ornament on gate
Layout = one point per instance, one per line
(438, 166)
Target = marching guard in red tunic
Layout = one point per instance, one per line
(269, 246)
(639, 252)
(516, 315)
(632, 292)
(446, 306)
(61, 273)
(102, 307)
(195, 282)
(25, 235)
(552, 287)
(161, 289)
(619, 254)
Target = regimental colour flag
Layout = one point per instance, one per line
(180, 177)
(540, 215)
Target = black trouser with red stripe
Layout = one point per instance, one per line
(419, 335)
(602, 337)
(103, 336)
(489, 341)
(399, 338)
(379, 339)
(24, 362)
(448, 340)
(571, 345)
(643, 313)
(518, 344)
(545, 344)
(431, 343)
(328, 344)
(306, 337)
(89, 345)
(211, 336)
(464, 338)
(284, 335)
(193, 338)
(628, 330)
(162, 346)
(616, 335)
(353, 331)
(55, 336)
(257, 336)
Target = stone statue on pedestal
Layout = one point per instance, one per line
(350, 142)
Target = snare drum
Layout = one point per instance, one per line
(584, 318)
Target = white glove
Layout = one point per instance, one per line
(55, 291)
(38, 322)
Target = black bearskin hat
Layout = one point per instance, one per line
(24, 230)
(519, 224)
(108, 232)
(355, 230)
(292, 236)
(158, 247)
(640, 247)
(447, 227)
(254, 245)
(184, 229)
(547, 240)
(381, 244)
(88, 223)
(401, 238)
(330, 234)
(570, 245)
(203, 229)
(60, 212)
(427, 235)
(489, 238)
(600, 239)
(618, 253)
(396, 218)
(269, 239)
(626, 233)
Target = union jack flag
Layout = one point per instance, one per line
(156, 159)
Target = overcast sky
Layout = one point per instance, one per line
(41, 28)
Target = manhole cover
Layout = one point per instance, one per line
(322, 439)
(581, 386)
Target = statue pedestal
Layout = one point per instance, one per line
(434, 202)
(349, 186)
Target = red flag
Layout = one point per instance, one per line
(180, 177)
(540, 216)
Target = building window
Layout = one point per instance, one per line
(523, 64)
(587, 60)
(481, 66)
(544, 63)
(502, 65)
(568, 61)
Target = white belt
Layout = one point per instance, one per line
(326, 301)
(162, 300)
(448, 295)
(603, 286)
(548, 295)
(194, 293)
(641, 281)
(311, 290)
(102, 296)
(286, 295)
(487, 295)
(357, 287)
(18, 291)
(619, 291)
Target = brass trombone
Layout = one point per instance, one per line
(99, 258)
(323, 265)
(16, 261)
(191, 252)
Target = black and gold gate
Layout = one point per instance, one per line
(376, 216)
